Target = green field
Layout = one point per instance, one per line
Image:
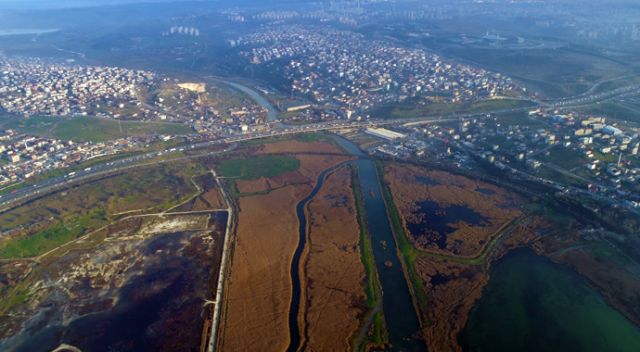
(615, 111)
(620, 83)
(436, 109)
(521, 119)
(64, 215)
(557, 176)
(87, 129)
(259, 166)
(53, 237)
(557, 72)
(566, 158)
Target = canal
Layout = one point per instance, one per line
(399, 311)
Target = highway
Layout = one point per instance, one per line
(76, 176)
(120, 165)
(593, 98)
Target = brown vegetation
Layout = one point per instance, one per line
(259, 293)
(310, 167)
(210, 198)
(259, 290)
(452, 288)
(332, 271)
(468, 240)
(262, 184)
(294, 147)
(616, 280)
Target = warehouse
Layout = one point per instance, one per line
(611, 130)
(383, 133)
(296, 106)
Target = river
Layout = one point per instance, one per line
(400, 315)
(262, 101)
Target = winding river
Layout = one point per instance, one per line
(399, 312)
(262, 101)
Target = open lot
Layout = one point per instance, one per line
(566, 158)
(262, 166)
(64, 215)
(409, 109)
(616, 112)
(557, 73)
(88, 129)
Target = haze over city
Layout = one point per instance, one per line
(319, 176)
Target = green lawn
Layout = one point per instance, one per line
(260, 166)
(606, 158)
(310, 137)
(409, 110)
(94, 129)
(613, 85)
(557, 176)
(49, 239)
(566, 158)
(31, 122)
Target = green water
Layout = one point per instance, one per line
(532, 304)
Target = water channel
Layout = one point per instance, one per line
(400, 315)
(530, 304)
(262, 101)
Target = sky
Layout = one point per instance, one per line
(48, 4)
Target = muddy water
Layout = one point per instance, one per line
(400, 315)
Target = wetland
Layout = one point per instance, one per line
(143, 288)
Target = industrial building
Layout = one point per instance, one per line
(296, 106)
(611, 130)
(383, 133)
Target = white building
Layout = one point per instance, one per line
(611, 130)
(384, 133)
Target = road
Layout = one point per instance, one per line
(213, 335)
(592, 99)
(566, 250)
(73, 177)
(276, 131)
